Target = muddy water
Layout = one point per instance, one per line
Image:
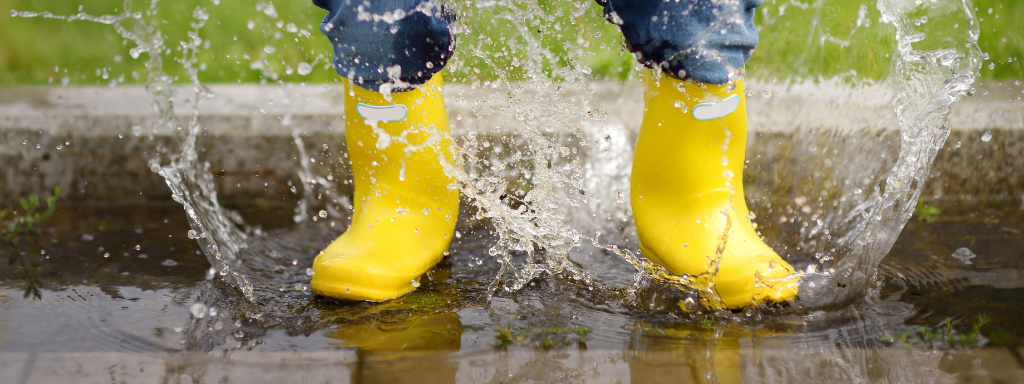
(124, 281)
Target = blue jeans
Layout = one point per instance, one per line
(405, 42)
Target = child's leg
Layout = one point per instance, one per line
(394, 43)
(686, 189)
(396, 131)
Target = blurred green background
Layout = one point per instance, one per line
(253, 42)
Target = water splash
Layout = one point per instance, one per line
(220, 232)
(860, 193)
(555, 169)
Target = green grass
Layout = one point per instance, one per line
(1002, 37)
(570, 38)
(927, 213)
(41, 51)
(946, 336)
(28, 220)
(546, 338)
(792, 45)
(22, 226)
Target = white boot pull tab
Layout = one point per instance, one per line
(708, 111)
(383, 113)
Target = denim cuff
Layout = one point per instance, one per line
(702, 40)
(397, 43)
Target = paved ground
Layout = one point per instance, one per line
(902, 365)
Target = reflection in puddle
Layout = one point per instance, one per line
(397, 351)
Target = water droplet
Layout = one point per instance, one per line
(426, 211)
(323, 214)
(213, 311)
(987, 136)
(965, 255)
(198, 310)
(138, 247)
(106, 255)
(178, 328)
(192, 234)
(767, 93)
(347, 290)
(210, 273)
(295, 262)
(681, 105)
(169, 263)
(305, 69)
(415, 284)
(689, 304)
(309, 272)
(88, 237)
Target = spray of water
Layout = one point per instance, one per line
(931, 69)
(552, 174)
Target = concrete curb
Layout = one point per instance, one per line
(95, 141)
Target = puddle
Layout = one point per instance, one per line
(99, 293)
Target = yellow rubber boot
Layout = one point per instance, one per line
(687, 192)
(404, 213)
